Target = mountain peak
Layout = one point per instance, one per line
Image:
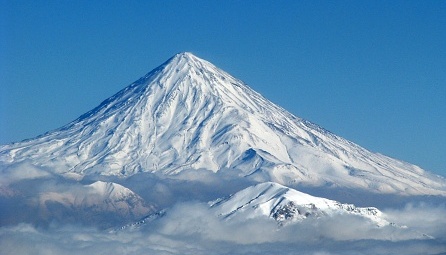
(185, 55)
(186, 59)
(184, 71)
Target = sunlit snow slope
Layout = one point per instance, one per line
(188, 114)
(287, 205)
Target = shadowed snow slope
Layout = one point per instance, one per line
(99, 197)
(188, 114)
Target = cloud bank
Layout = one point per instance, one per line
(190, 228)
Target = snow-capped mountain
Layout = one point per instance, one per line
(100, 197)
(283, 204)
(189, 114)
(287, 205)
(103, 203)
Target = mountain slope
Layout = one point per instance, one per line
(188, 114)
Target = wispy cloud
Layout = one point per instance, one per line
(423, 217)
(21, 171)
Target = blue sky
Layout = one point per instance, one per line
(373, 72)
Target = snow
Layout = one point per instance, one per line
(189, 114)
(287, 205)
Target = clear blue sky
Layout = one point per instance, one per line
(373, 72)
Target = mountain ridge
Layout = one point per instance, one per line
(287, 205)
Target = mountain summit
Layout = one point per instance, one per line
(189, 114)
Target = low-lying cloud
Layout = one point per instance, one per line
(425, 218)
(21, 171)
(191, 228)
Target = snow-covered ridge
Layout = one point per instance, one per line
(287, 205)
(189, 114)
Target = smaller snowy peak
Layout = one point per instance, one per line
(287, 205)
(111, 190)
(99, 197)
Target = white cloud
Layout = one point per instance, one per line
(191, 228)
(20, 171)
(158, 239)
(422, 217)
